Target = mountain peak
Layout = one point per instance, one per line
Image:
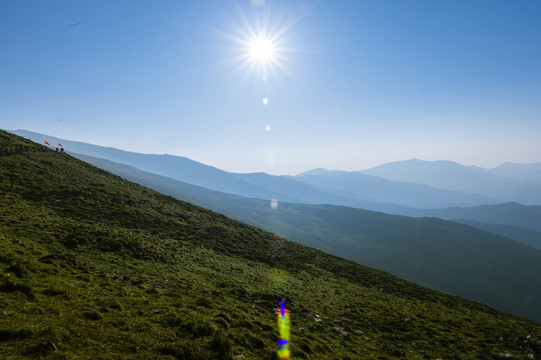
(320, 172)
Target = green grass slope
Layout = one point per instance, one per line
(461, 260)
(95, 267)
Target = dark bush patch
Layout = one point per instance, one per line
(222, 346)
(115, 306)
(54, 292)
(304, 346)
(92, 315)
(204, 302)
(20, 334)
(10, 286)
(301, 355)
(224, 316)
(245, 323)
(255, 341)
(111, 244)
(17, 269)
(41, 349)
(171, 320)
(179, 352)
(222, 322)
(196, 328)
(48, 259)
(70, 243)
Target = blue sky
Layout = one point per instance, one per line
(358, 83)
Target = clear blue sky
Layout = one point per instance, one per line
(356, 84)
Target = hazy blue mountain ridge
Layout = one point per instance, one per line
(528, 172)
(364, 191)
(176, 167)
(376, 189)
(251, 186)
(453, 176)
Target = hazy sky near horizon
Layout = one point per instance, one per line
(348, 85)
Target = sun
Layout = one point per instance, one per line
(260, 45)
(262, 49)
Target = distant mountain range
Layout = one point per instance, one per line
(508, 182)
(365, 187)
(527, 172)
(324, 187)
(353, 189)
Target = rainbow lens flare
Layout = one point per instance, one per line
(283, 328)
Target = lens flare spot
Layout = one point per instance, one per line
(283, 328)
(267, 128)
(274, 204)
(265, 101)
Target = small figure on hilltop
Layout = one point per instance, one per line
(61, 149)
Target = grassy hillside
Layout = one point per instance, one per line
(93, 266)
(511, 213)
(458, 259)
(523, 235)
